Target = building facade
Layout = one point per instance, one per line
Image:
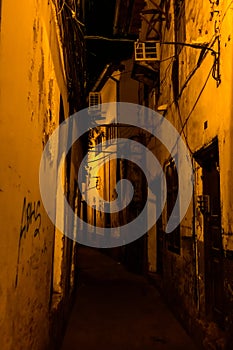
(38, 263)
(191, 86)
(183, 65)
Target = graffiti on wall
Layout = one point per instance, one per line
(30, 217)
(30, 222)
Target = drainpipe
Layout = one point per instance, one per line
(197, 296)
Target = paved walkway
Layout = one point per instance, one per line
(118, 310)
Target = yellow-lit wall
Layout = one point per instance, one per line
(32, 78)
(107, 174)
(103, 178)
(201, 100)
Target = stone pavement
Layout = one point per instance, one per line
(119, 310)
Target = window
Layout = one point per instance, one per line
(107, 215)
(94, 101)
(172, 192)
(99, 144)
(111, 133)
(180, 36)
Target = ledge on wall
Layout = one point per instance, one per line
(146, 74)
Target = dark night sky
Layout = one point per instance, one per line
(99, 20)
(100, 16)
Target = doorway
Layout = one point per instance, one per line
(208, 158)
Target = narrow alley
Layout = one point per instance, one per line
(116, 168)
(116, 309)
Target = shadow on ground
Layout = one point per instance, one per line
(116, 309)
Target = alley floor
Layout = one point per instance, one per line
(116, 309)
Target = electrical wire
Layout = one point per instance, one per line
(200, 60)
(167, 59)
(225, 13)
(195, 46)
(166, 71)
(96, 37)
(191, 111)
(182, 130)
(61, 9)
(73, 13)
(197, 99)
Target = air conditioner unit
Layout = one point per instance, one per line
(94, 102)
(147, 51)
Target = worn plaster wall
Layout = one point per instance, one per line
(102, 176)
(201, 111)
(32, 79)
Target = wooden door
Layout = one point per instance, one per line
(213, 237)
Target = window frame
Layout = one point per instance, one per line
(172, 181)
(180, 36)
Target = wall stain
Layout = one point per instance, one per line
(41, 78)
